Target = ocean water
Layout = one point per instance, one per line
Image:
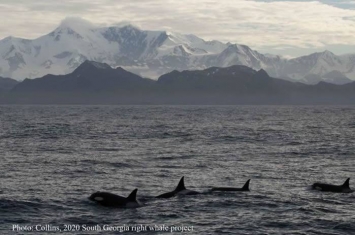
(54, 157)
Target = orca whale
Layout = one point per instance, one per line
(344, 188)
(180, 190)
(113, 200)
(226, 189)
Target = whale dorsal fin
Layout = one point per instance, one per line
(346, 183)
(181, 185)
(246, 185)
(132, 196)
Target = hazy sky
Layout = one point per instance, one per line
(291, 28)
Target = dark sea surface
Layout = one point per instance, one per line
(54, 157)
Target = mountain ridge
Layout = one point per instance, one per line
(152, 53)
(89, 76)
(97, 83)
(6, 84)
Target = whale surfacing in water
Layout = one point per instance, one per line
(113, 200)
(230, 189)
(344, 188)
(180, 190)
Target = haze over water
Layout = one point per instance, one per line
(54, 157)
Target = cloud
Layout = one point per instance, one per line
(259, 24)
(346, 4)
(77, 22)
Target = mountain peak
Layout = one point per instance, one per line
(316, 55)
(237, 48)
(327, 53)
(73, 26)
(130, 27)
(89, 65)
(262, 74)
(97, 65)
(125, 24)
(75, 23)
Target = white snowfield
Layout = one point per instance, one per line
(153, 53)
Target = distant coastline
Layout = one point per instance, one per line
(98, 83)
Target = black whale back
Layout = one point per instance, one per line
(246, 186)
(181, 185)
(346, 183)
(333, 188)
(133, 196)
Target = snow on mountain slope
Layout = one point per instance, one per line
(75, 41)
(317, 65)
(152, 53)
(59, 52)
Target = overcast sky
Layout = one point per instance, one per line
(291, 28)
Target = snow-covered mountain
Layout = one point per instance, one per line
(153, 53)
(324, 66)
